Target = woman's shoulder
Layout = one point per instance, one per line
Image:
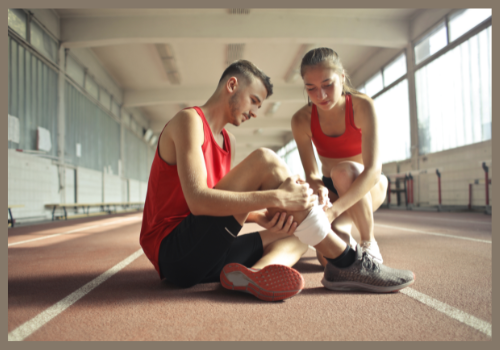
(303, 114)
(361, 102)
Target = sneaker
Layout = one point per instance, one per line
(272, 283)
(371, 247)
(366, 274)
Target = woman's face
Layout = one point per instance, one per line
(323, 85)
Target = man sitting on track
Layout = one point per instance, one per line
(196, 206)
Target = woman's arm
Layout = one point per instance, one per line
(301, 129)
(366, 120)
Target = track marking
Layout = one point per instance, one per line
(435, 233)
(31, 326)
(446, 309)
(73, 231)
(437, 219)
(469, 320)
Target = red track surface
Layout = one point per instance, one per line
(134, 305)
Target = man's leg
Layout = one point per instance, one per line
(264, 170)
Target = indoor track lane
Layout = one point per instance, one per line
(134, 305)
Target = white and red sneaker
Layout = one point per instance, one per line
(272, 283)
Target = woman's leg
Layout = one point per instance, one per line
(361, 213)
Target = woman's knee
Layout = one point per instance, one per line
(344, 174)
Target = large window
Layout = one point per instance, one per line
(456, 25)
(390, 73)
(393, 115)
(28, 28)
(454, 96)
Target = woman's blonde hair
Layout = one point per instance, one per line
(330, 57)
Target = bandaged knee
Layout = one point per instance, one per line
(314, 228)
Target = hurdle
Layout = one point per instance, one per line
(408, 178)
(486, 182)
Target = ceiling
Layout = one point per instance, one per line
(199, 43)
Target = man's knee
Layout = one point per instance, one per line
(343, 175)
(266, 156)
(267, 163)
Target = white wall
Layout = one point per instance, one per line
(112, 186)
(33, 182)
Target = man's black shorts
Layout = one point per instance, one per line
(200, 246)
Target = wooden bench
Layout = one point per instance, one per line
(104, 207)
(11, 221)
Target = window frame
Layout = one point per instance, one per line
(450, 45)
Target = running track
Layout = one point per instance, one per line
(87, 279)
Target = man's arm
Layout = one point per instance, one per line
(186, 132)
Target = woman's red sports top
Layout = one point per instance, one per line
(165, 205)
(346, 145)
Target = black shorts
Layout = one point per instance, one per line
(200, 246)
(329, 184)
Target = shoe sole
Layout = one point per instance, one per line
(272, 283)
(358, 286)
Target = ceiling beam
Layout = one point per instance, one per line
(199, 94)
(272, 27)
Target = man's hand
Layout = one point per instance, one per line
(278, 223)
(296, 194)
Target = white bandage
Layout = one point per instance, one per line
(314, 228)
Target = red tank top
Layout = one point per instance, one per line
(165, 205)
(346, 145)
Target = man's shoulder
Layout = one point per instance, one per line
(185, 119)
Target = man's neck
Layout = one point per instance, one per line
(215, 111)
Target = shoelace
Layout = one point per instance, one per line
(368, 262)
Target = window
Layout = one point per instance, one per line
(395, 70)
(115, 108)
(374, 85)
(92, 87)
(430, 44)
(454, 96)
(17, 21)
(43, 42)
(75, 70)
(105, 98)
(393, 115)
(463, 21)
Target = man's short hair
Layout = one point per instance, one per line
(248, 70)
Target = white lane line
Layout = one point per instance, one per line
(73, 231)
(29, 327)
(450, 311)
(430, 218)
(434, 233)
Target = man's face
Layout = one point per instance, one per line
(246, 101)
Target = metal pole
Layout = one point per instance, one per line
(439, 188)
(388, 192)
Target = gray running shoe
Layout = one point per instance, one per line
(365, 274)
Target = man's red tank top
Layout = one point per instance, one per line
(346, 145)
(165, 205)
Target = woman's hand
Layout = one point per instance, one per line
(278, 223)
(319, 189)
(331, 212)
